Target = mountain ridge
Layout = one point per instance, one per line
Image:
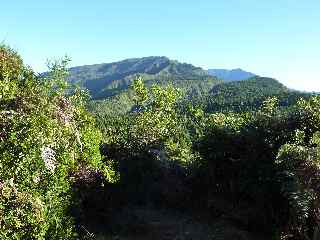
(249, 94)
(236, 74)
(108, 79)
(109, 85)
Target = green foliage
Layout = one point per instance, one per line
(271, 160)
(250, 150)
(144, 143)
(44, 135)
(141, 92)
(153, 123)
(248, 157)
(249, 95)
(10, 72)
(270, 105)
(107, 80)
(299, 166)
(113, 106)
(246, 142)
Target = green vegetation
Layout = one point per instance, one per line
(110, 86)
(244, 152)
(267, 162)
(44, 136)
(106, 80)
(249, 95)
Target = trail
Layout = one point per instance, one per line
(162, 224)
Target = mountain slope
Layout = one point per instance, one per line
(253, 87)
(109, 85)
(249, 94)
(109, 79)
(231, 75)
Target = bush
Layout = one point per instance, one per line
(145, 143)
(268, 160)
(45, 133)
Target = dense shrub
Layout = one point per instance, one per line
(263, 164)
(268, 160)
(146, 144)
(45, 133)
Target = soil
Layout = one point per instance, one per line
(151, 223)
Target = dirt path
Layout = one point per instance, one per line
(162, 224)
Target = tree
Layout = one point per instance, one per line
(45, 133)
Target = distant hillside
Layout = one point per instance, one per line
(109, 79)
(252, 87)
(249, 94)
(231, 75)
(109, 84)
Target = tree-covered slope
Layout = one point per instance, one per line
(253, 86)
(249, 94)
(109, 85)
(109, 79)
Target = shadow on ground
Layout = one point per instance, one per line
(151, 223)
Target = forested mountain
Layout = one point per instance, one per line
(109, 79)
(231, 75)
(109, 85)
(249, 94)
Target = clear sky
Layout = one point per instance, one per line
(276, 38)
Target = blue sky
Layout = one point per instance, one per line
(276, 38)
